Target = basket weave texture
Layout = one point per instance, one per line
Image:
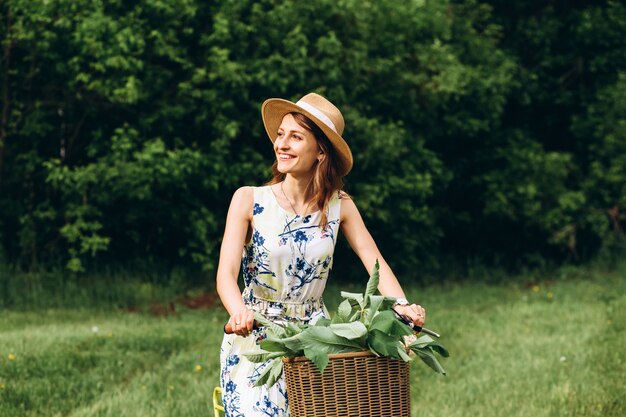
(355, 384)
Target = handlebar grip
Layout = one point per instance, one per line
(413, 326)
(228, 328)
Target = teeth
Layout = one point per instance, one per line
(283, 156)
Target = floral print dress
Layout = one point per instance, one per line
(285, 268)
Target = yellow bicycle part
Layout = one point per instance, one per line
(217, 407)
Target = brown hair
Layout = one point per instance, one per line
(326, 179)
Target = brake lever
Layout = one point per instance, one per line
(418, 329)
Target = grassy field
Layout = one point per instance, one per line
(547, 348)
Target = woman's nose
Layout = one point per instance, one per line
(282, 142)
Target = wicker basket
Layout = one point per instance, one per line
(355, 384)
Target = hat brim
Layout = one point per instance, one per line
(273, 111)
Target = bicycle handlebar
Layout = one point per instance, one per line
(228, 328)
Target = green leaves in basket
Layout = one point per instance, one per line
(363, 322)
(387, 323)
(264, 356)
(323, 322)
(355, 299)
(318, 357)
(351, 331)
(343, 312)
(372, 283)
(280, 331)
(427, 341)
(425, 348)
(281, 341)
(324, 338)
(385, 345)
(320, 341)
(291, 344)
(428, 357)
(270, 373)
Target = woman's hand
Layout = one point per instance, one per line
(242, 322)
(415, 312)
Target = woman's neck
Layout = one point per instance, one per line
(296, 189)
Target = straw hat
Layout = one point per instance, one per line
(321, 111)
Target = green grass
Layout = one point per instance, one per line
(553, 350)
(23, 291)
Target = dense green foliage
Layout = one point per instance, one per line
(481, 130)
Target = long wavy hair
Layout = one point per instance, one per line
(326, 179)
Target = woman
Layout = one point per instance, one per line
(288, 231)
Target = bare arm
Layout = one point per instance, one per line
(361, 241)
(238, 221)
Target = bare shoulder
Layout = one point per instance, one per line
(348, 207)
(243, 200)
(244, 193)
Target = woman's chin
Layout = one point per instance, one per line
(293, 169)
(284, 167)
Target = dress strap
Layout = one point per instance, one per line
(334, 206)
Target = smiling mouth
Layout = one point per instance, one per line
(285, 157)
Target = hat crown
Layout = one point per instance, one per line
(327, 108)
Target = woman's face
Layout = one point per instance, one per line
(296, 148)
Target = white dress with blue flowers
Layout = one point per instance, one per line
(285, 268)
